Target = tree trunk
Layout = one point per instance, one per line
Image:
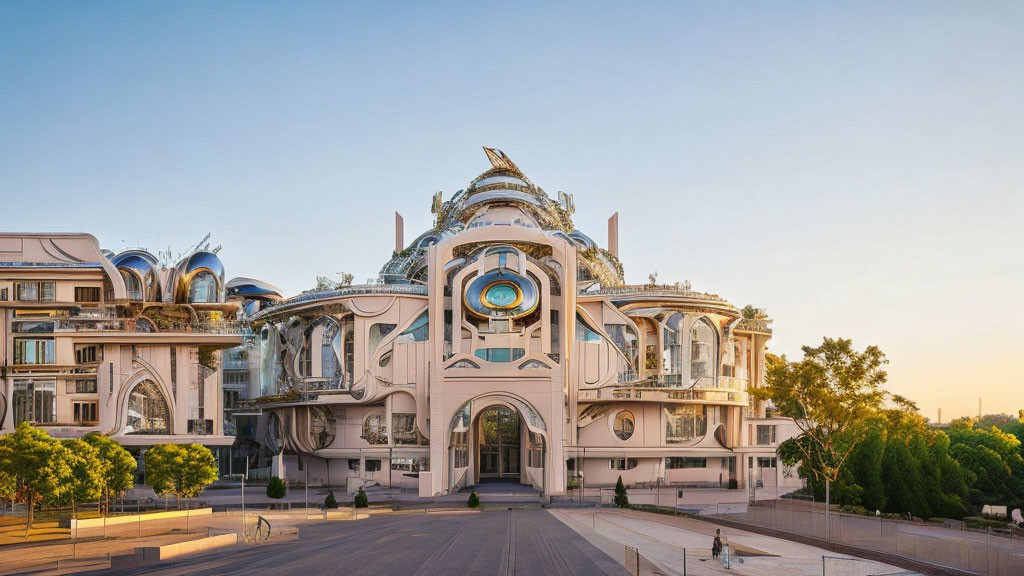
(31, 508)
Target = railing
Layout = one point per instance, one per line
(414, 289)
(659, 394)
(761, 325)
(132, 325)
(655, 290)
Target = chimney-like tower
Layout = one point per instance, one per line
(399, 232)
(940, 415)
(613, 234)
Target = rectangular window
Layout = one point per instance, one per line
(85, 412)
(765, 434)
(767, 462)
(353, 464)
(32, 327)
(81, 386)
(87, 294)
(372, 465)
(3, 294)
(35, 401)
(31, 351)
(685, 462)
(34, 291)
(174, 371)
(622, 463)
(88, 354)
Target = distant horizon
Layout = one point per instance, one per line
(853, 169)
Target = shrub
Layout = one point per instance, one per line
(621, 500)
(276, 488)
(474, 500)
(733, 484)
(361, 500)
(330, 502)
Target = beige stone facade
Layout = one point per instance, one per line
(504, 344)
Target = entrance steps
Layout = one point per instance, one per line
(506, 494)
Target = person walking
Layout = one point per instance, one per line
(716, 544)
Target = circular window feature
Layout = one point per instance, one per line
(623, 425)
(501, 295)
(322, 427)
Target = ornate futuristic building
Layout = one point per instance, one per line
(503, 343)
(118, 343)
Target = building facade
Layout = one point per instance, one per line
(504, 344)
(120, 344)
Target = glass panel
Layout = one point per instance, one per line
(684, 423)
(147, 410)
(203, 288)
(623, 425)
(419, 331)
(378, 332)
(584, 333)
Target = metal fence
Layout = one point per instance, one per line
(986, 553)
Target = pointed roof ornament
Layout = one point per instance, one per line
(500, 161)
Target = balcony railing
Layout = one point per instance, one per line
(760, 325)
(656, 394)
(134, 325)
(655, 290)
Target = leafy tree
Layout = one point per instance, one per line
(86, 472)
(8, 485)
(992, 463)
(621, 499)
(865, 466)
(360, 500)
(276, 488)
(830, 394)
(38, 464)
(117, 467)
(182, 470)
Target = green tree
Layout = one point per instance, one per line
(621, 499)
(865, 465)
(276, 488)
(86, 472)
(830, 394)
(38, 464)
(474, 500)
(200, 470)
(182, 470)
(117, 467)
(330, 502)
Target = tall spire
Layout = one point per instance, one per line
(500, 161)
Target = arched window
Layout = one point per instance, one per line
(322, 427)
(132, 284)
(672, 349)
(147, 410)
(703, 353)
(375, 429)
(203, 288)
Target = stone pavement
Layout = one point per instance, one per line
(662, 538)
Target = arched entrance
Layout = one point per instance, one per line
(499, 448)
(496, 437)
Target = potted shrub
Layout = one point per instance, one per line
(361, 501)
(474, 500)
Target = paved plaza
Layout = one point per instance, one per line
(499, 542)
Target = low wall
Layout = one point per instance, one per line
(79, 524)
(152, 554)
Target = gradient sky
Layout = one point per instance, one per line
(857, 170)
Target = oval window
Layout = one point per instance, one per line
(623, 425)
(501, 295)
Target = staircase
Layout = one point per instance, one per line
(506, 495)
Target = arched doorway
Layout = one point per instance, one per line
(505, 427)
(499, 448)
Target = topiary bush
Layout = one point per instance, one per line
(276, 488)
(361, 500)
(330, 502)
(733, 484)
(474, 500)
(621, 500)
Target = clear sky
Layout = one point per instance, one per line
(856, 169)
